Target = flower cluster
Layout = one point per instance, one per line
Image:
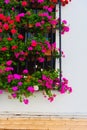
(65, 2)
(25, 48)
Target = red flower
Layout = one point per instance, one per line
(9, 39)
(6, 26)
(8, 18)
(24, 3)
(4, 49)
(55, 1)
(20, 36)
(17, 18)
(11, 22)
(0, 30)
(14, 47)
(2, 17)
(13, 31)
(33, 43)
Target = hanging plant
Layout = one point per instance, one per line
(27, 49)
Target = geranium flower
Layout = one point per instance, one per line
(17, 76)
(13, 31)
(25, 71)
(24, 3)
(26, 101)
(9, 62)
(20, 36)
(4, 49)
(30, 89)
(15, 88)
(33, 43)
(7, 1)
(6, 26)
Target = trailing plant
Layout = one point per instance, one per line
(27, 50)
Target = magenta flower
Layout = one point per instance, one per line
(9, 62)
(30, 89)
(38, 24)
(25, 71)
(41, 59)
(10, 78)
(70, 89)
(50, 9)
(14, 95)
(7, 1)
(1, 91)
(44, 77)
(21, 58)
(51, 99)
(64, 21)
(66, 28)
(17, 76)
(20, 83)
(40, 1)
(26, 101)
(7, 69)
(45, 7)
(21, 15)
(16, 54)
(30, 48)
(15, 88)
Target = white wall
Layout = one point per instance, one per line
(74, 66)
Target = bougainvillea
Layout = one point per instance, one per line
(25, 27)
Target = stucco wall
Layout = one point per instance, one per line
(74, 66)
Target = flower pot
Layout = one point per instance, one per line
(48, 54)
(30, 25)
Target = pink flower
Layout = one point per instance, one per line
(10, 78)
(45, 7)
(40, 1)
(21, 15)
(17, 76)
(50, 9)
(26, 101)
(1, 91)
(9, 69)
(30, 48)
(30, 89)
(51, 99)
(63, 89)
(14, 95)
(25, 71)
(7, 1)
(13, 8)
(15, 88)
(16, 54)
(20, 83)
(70, 89)
(9, 62)
(66, 28)
(41, 59)
(21, 58)
(38, 24)
(64, 21)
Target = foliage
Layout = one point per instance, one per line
(23, 40)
